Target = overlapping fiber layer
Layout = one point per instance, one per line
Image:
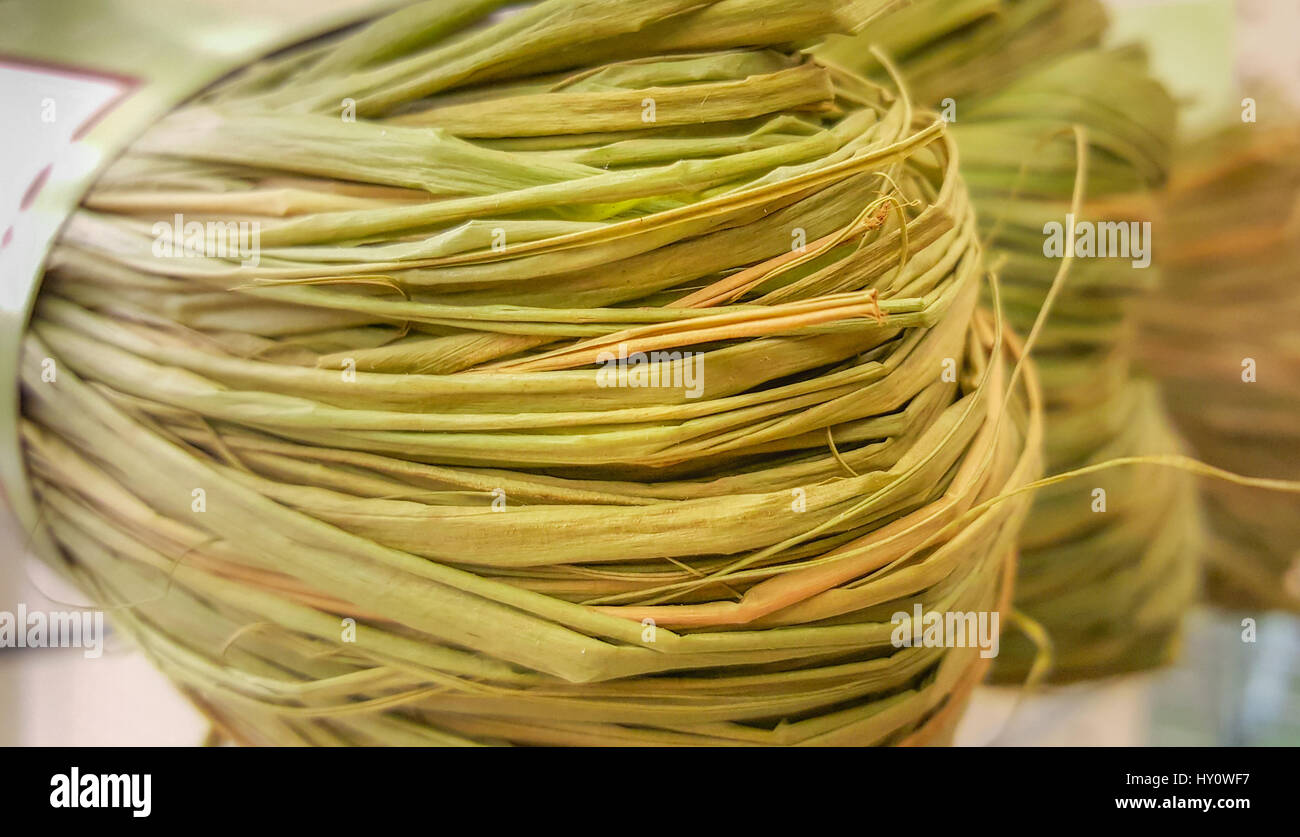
(1108, 564)
(374, 488)
(1223, 336)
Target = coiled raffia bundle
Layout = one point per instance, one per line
(376, 489)
(1108, 563)
(1223, 336)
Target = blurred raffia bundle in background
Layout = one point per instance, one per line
(1223, 336)
(389, 417)
(1108, 564)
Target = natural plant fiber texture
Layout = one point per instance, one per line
(1108, 586)
(958, 49)
(1223, 336)
(396, 417)
(1108, 575)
